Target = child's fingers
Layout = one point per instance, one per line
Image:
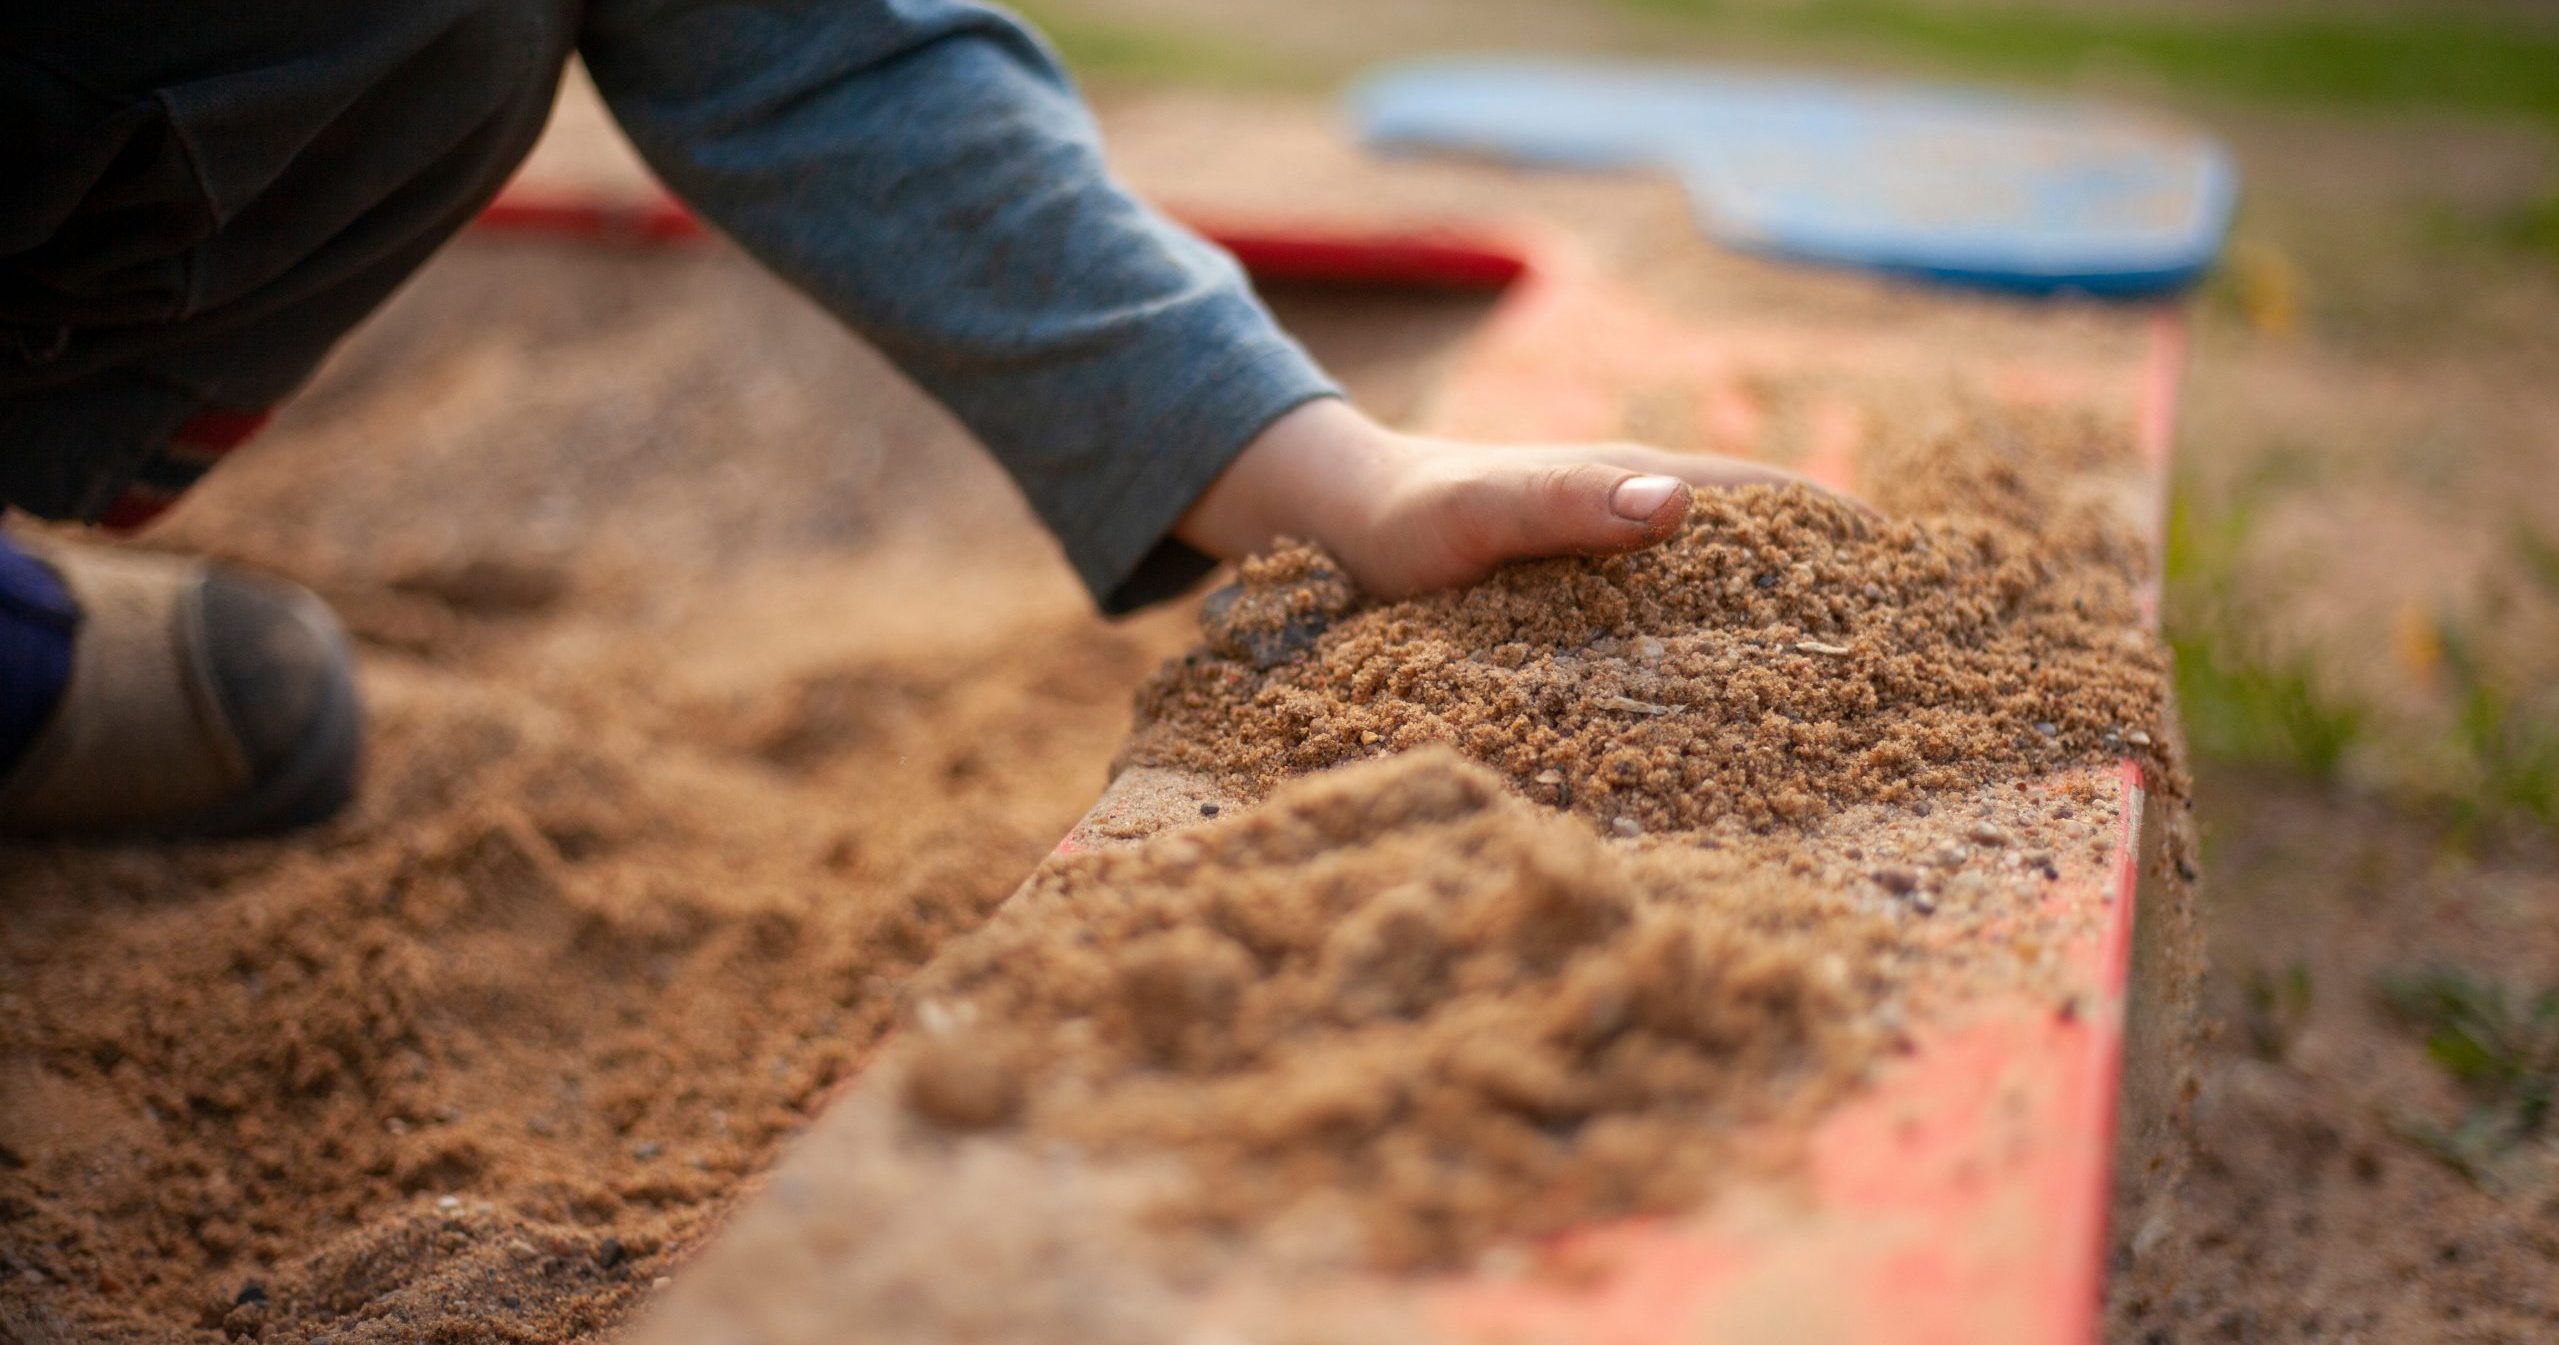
(1525, 509)
(1715, 471)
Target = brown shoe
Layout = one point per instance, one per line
(202, 702)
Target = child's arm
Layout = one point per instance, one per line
(923, 169)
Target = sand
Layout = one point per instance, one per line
(1403, 999)
(2312, 1214)
(684, 767)
(681, 763)
(1446, 1003)
(1784, 656)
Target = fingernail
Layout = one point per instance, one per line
(1640, 497)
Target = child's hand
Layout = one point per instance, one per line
(1407, 514)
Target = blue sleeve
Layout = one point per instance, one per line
(924, 169)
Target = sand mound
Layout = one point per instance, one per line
(1403, 997)
(1782, 657)
(1424, 1000)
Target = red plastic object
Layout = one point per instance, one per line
(591, 218)
(1418, 259)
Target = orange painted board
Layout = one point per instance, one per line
(1961, 1198)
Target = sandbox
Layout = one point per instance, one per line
(1949, 1180)
(689, 791)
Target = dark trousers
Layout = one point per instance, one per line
(189, 225)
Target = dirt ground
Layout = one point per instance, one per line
(2314, 1211)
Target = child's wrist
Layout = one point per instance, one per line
(1318, 474)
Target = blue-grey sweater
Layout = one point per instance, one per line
(196, 200)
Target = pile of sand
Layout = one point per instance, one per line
(1784, 656)
(1434, 1005)
(1402, 999)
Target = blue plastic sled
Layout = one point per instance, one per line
(1948, 184)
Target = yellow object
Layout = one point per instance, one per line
(2267, 285)
(2419, 644)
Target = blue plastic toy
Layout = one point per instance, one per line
(1954, 185)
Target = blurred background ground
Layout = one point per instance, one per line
(2363, 588)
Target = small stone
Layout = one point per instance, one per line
(612, 1253)
(1649, 649)
(1947, 857)
(2047, 728)
(1208, 810)
(1923, 903)
(2138, 738)
(448, 1204)
(647, 1149)
(1766, 580)
(1550, 777)
(960, 1089)
(1264, 628)
(1896, 880)
(1987, 833)
(1873, 592)
(660, 1282)
(1626, 826)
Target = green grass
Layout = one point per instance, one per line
(2534, 227)
(1154, 54)
(2462, 63)
(2275, 1010)
(2242, 701)
(2539, 555)
(2525, 231)
(2248, 697)
(2501, 1044)
(2237, 709)
(2512, 754)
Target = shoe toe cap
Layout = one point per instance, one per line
(277, 661)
